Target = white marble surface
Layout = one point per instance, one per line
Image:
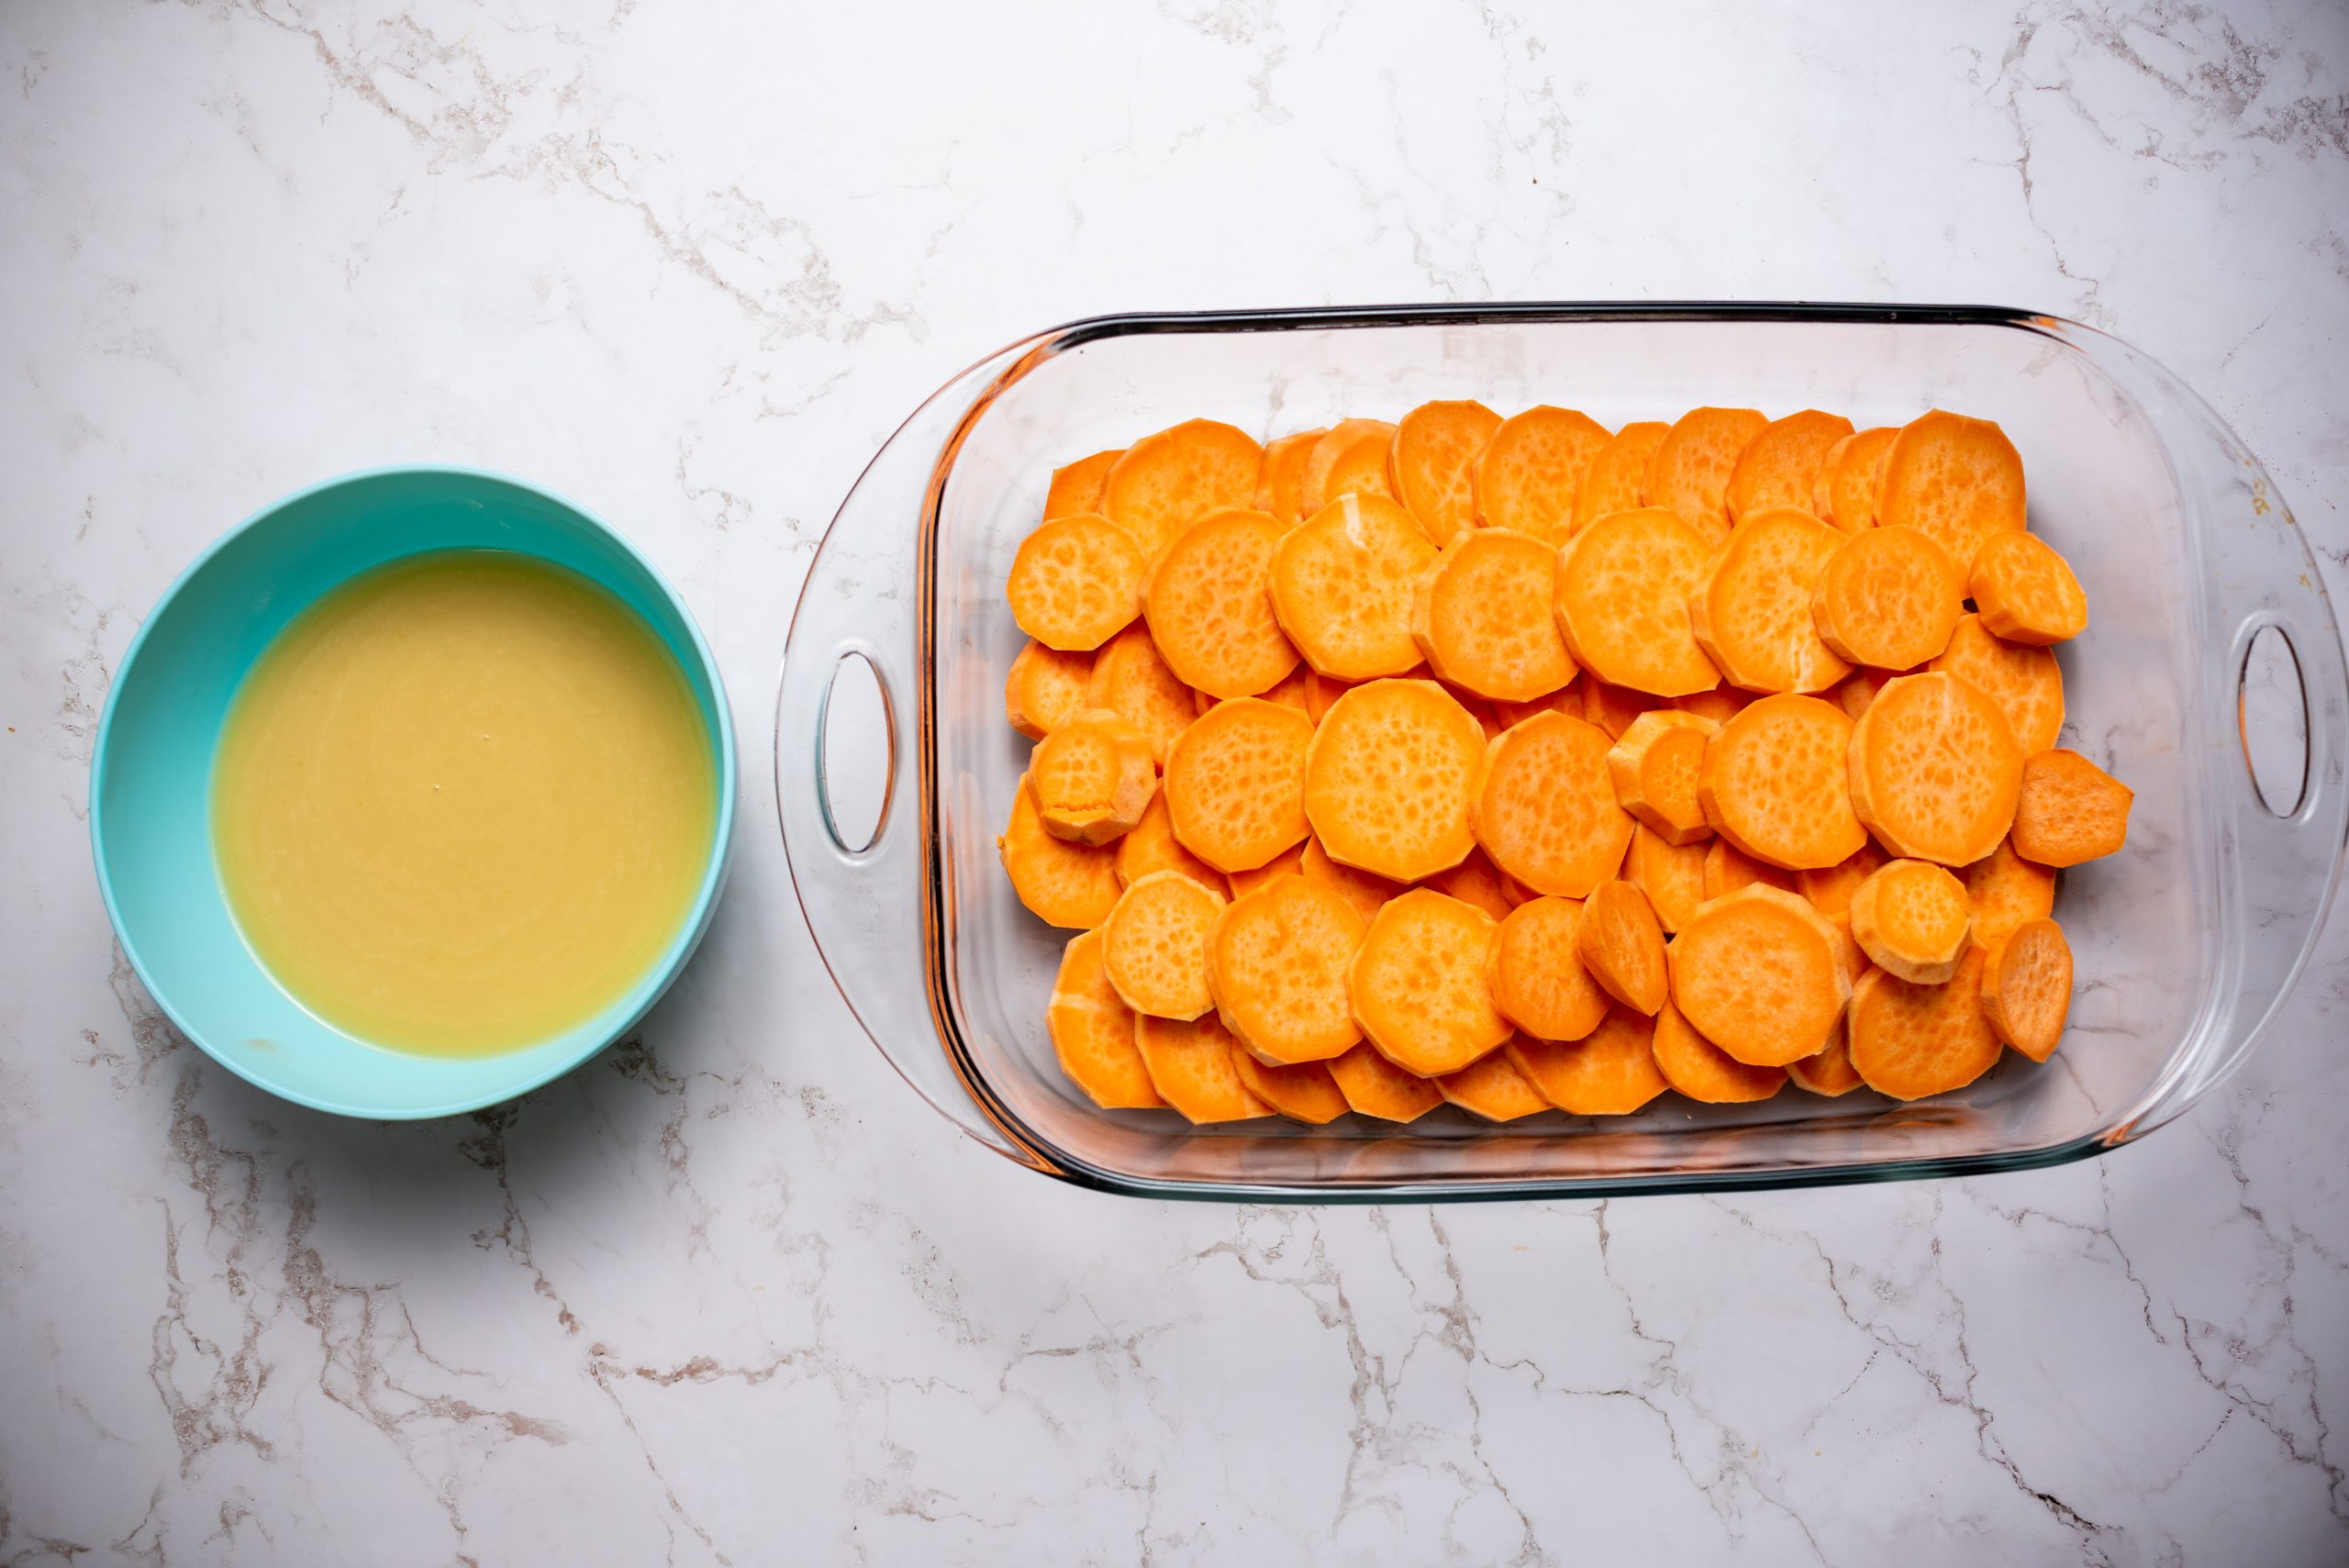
(733, 1296)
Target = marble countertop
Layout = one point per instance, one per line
(732, 1294)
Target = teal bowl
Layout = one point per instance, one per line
(151, 778)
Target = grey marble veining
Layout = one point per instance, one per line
(728, 1293)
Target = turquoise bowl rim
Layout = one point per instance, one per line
(631, 1008)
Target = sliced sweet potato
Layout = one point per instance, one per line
(1654, 768)
(1623, 946)
(1830, 1073)
(1913, 919)
(1303, 1093)
(1093, 777)
(1544, 807)
(1612, 1070)
(1375, 1086)
(1888, 598)
(1493, 1088)
(1729, 868)
(1191, 1067)
(1935, 770)
(2024, 681)
(1075, 582)
(1288, 691)
(1703, 1071)
(1154, 944)
(2026, 987)
(1152, 846)
(1829, 888)
(1390, 779)
(2024, 591)
(1621, 597)
(1062, 883)
(1611, 484)
(1530, 472)
(1276, 964)
(1417, 983)
(1855, 958)
(1612, 709)
(1856, 690)
(1280, 483)
(1481, 616)
(1343, 585)
(1092, 1031)
(1076, 487)
(1209, 603)
(1565, 700)
(1479, 882)
(2069, 810)
(1759, 974)
(1752, 612)
(1910, 1040)
(1044, 688)
(1164, 481)
(1431, 463)
(1844, 493)
(2006, 890)
(1128, 677)
(1720, 704)
(1349, 459)
(1235, 783)
(1953, 479)
(1366, 892)
(1536, 970)
(1671, 876)
(1288, 863)
(1690, 468)
(1779, 467)
(1773, 782)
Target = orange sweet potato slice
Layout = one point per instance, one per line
(1280, 483)
(1349, 459)
(1527, 477)
(1390, 779)
(1611, 484)
(2026, 987)
(1654, 768)
(1720, 704)
(1343, 585)
(1152, 846)
(1612, 709)
(1417, 983)
(1913, 919)
(1910, 1040)
(1154, 944)
(1779, 467)
(1209, 606)
(1062, 883)
(1536, 970)
(1493, 1088)
(2024, 591)
(1729, 868)
(1671, 876)
(1288, 863)
(2006, 890)
(1773, 782)
(1565, 700)
(1544, 807)
(1431, 463)
(1164, 481)
(1934, 770)
(1953, 479)
(1276, 964)
(1044, 689)
(1621, 597)
(1888, 598)
(1375, 1086)
(1856, 690)
(1479, 882)
(1829, 888)
(1092, 1031)
(1128, 677)
(1191, 1067)
(1235, 783)
(1690, 468)
(1761, 974)
(1304, 1093)
(1093, 777)
(1481, 615)
(1830, 1073)
(2069, 810)
(2025, 681)
(1076, 486)
(1752, 612)
(1612, 1070)
(1075, 582)
(1703, 1071)
(1623, 946)
(1844, 493)
(1366, 892)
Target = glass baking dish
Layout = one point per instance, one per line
(2185, 941)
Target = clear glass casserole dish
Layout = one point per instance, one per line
(2185, 941)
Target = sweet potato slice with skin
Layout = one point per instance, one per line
(1856, 690)
(1611, 484)
(1154, 944)
(1934, 770)
(1531, 471)
(1075, 582)
(1190, 1065)
(1612, 1070)
(1623, 946)
(2024, 591)
(2006, 890)
(1829, 888)
(1417, 983)
(1654, 768)
(1276, 964)
(1953, 479)
(1729, 868)
(1493, 1088)
(1481, 616)
(1390, 779)
(1621, 597)
(2069, 810)
(1349, 459)
(1152, 846)
(2025, 681)
(1613, 708)
(1092, 1031)
(1235, 783)
(1545, 809)
(1779, 467)
(1690, 468)
(1431, 463)
(1375, 1086)
(1829, 1073)
(1913, 919)
(1703, 1071)
(1479, 882)
(1889, 598)
(1536, 970)
(1062, 883)
(1773, 782)
(1166, 481)
(1751, 613)
(1343, 585)
(1366, 892)
(1844, 496)
(1910, 1040)
(1759, 974)
(2026, 987)
(1280, 483)
(1303, 1093)
(1671, 876)
(1076, 487)
(1093, 777)
(1128, 677)
(1720, 704)
(1209, 603)
(1044, 688)
(1288, 863)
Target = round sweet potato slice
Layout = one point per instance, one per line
(1154, 944)
(1935, 770)
(2024, 681)
(1779, 467)
(1844, 493)
(1191, 1067)
(1343, 585)
(1536, 970)
(2024, 591)
(1611, 484)
(1075, 582)
(1044, 688)
(1527, 477)
(1772, 783)
(2006, 890)
(1076, 487)
(1622, 599)
(1417, 983)
(1690, 468)
(1829, 888)
(1612, 1070)
(1093, 777)
(1280, 483)
(1062, 883)
(1389, 778)
(1276, 964)
(1545, 809)
(1830, 1073)
(1887, 598)
(1623, 946)
(1953, 479)
(1481, 616)
(1432, 464)
(1092, 1031)
(1759, 974)
(2069, 810)
(1913, 919)
(1671, 876)
(1703, 1071)
(1375, 1086)
(1164, 481)
(1235, 783)
(1303, 1093)
(1209, 603)
(1128, 677)
(1366, 892)
(1349, 459)
(1910, 1040)
(1152, 846)
(2026, 987)
(1655, 767)
(1728, 868)
(1751, 613)
(1491, 1087)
